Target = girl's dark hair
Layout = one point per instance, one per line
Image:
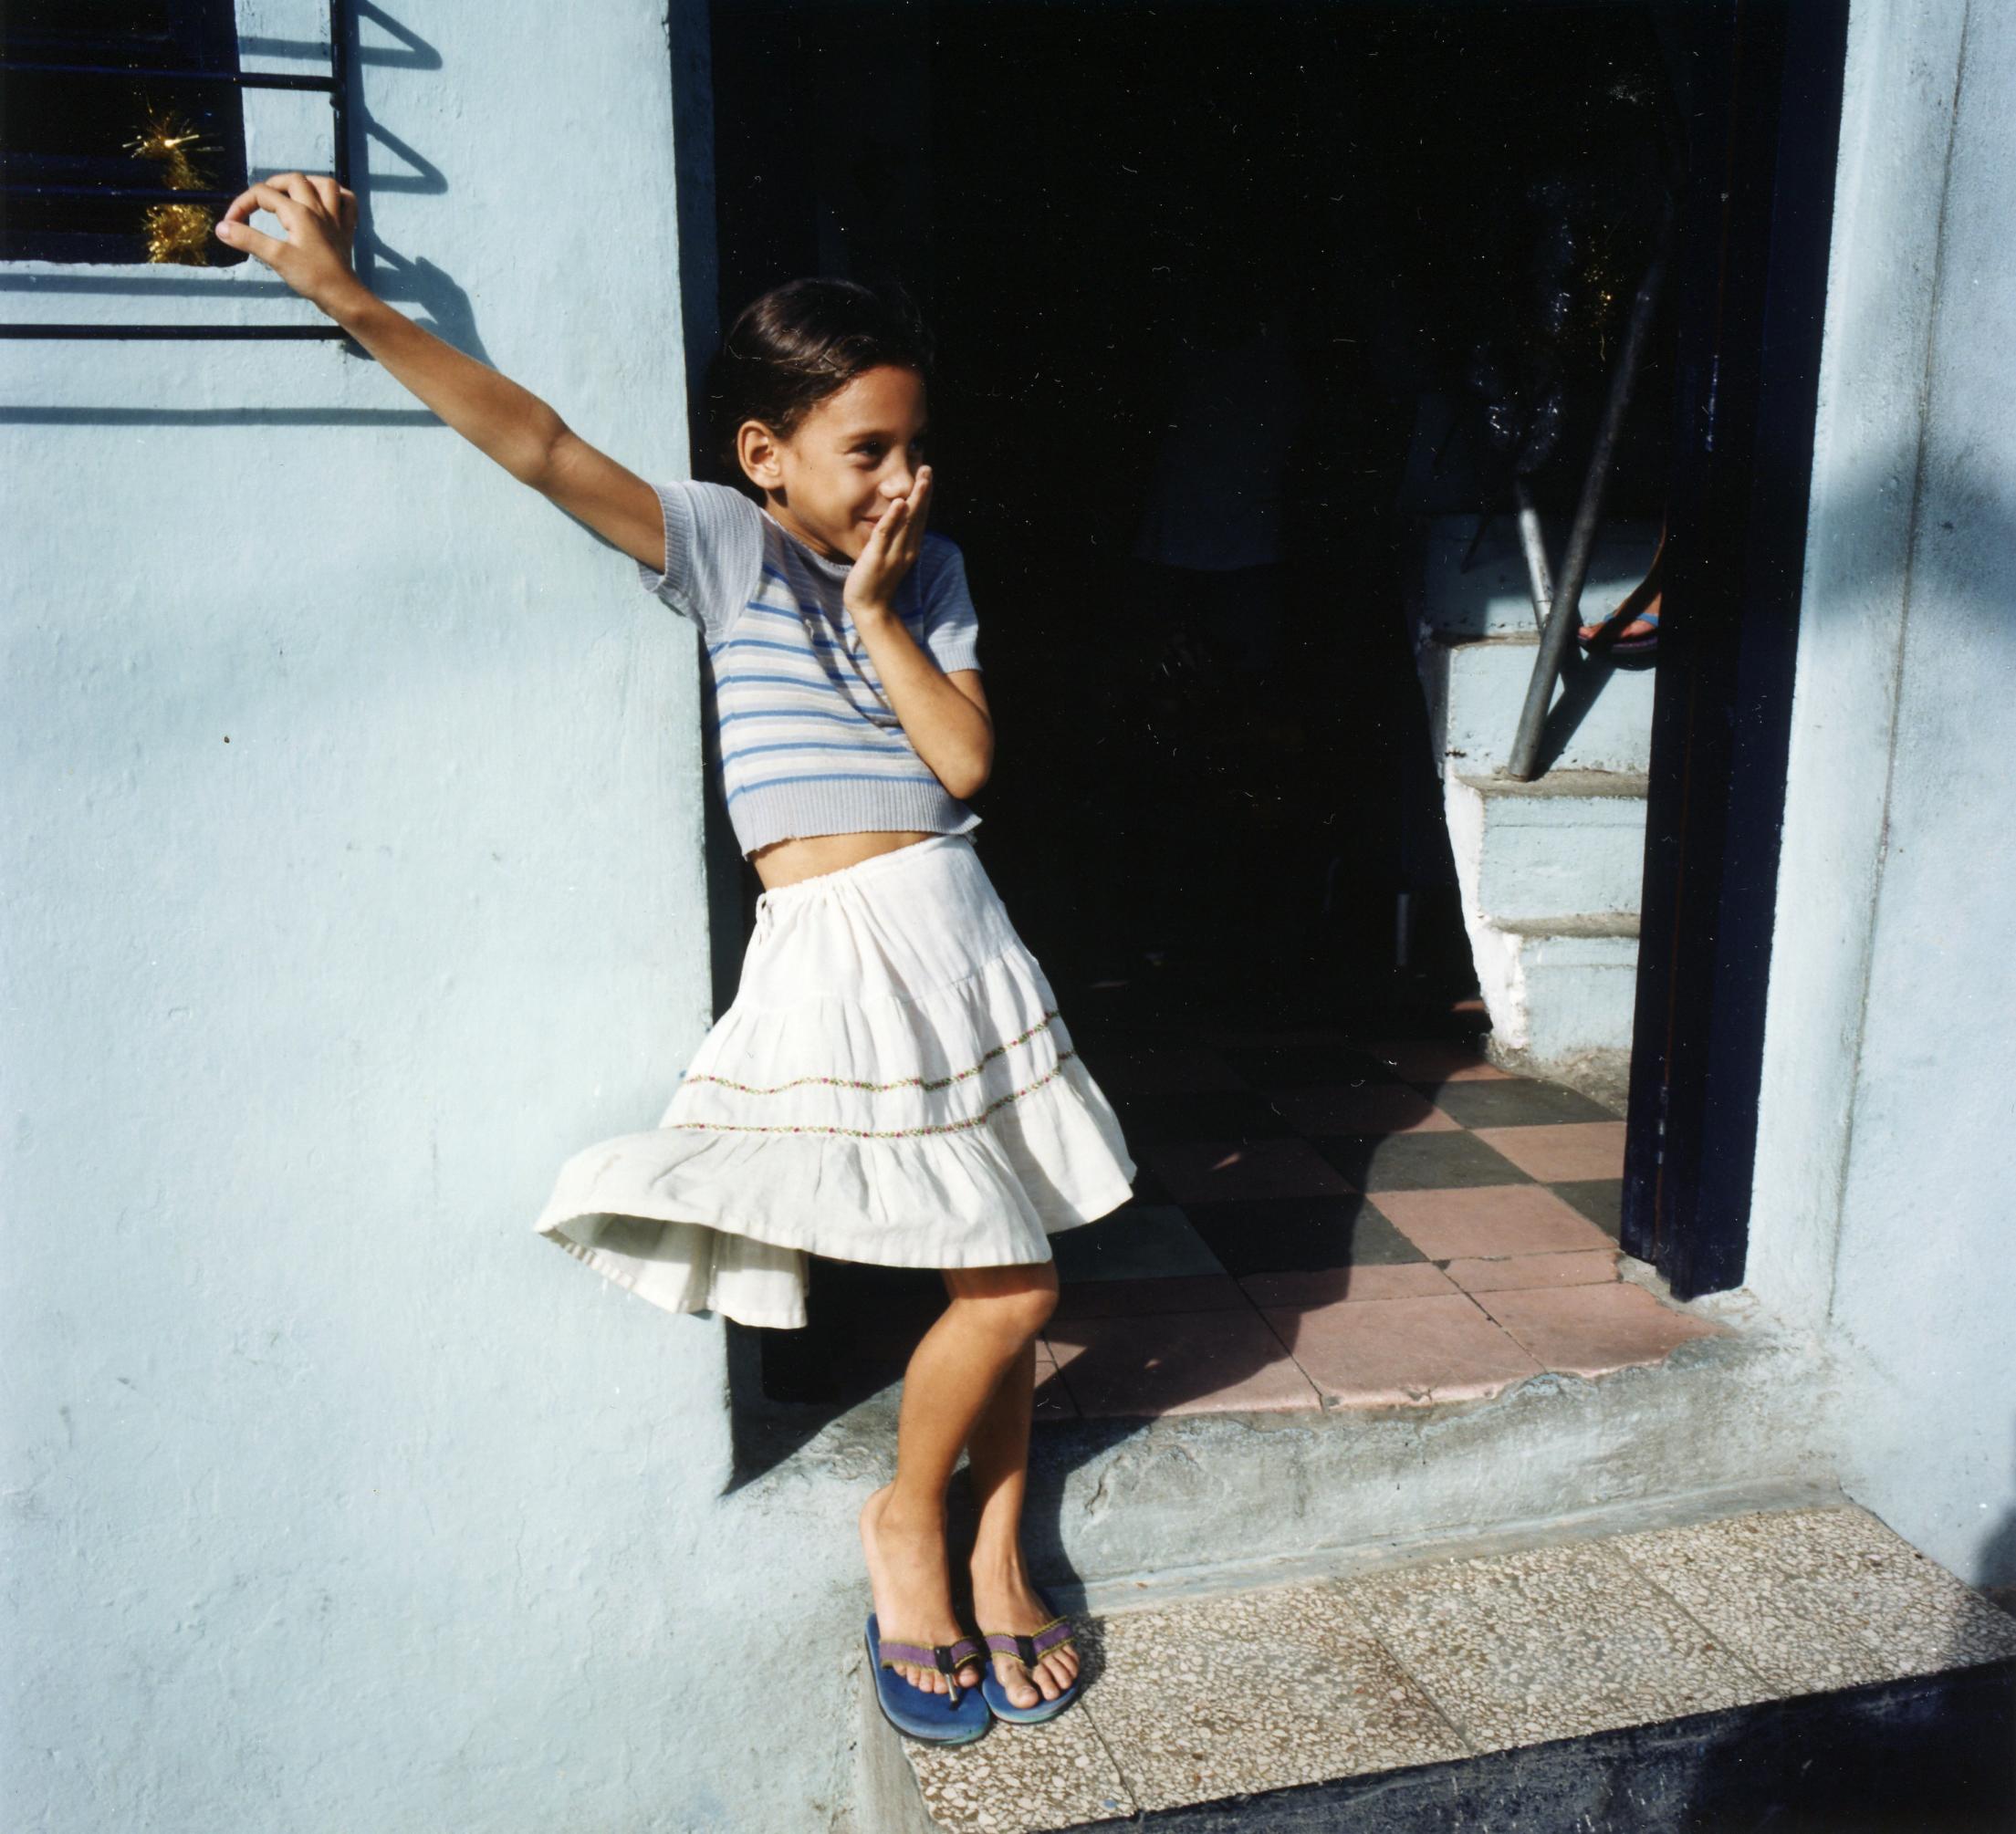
(801, 342)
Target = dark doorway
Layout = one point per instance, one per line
(1214, 780)
(1213, 776)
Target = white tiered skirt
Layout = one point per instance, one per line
(894, 1084)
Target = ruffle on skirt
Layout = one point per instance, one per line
(893, 1083)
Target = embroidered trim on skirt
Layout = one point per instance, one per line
(893, 1083)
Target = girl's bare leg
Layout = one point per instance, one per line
(986, 1329)
(997, 1458)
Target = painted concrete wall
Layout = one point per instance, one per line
(351, 856)
(352, 845)
(1882, 1213)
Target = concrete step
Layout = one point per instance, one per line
(1490, 596)
(1475, 645)
(1141, 1509)
(1568, 845)
(1783, 1660)
(1475, 689)
(1562, 994)
(1549, 874)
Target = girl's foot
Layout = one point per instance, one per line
(1004, 1602)
(1638, 610)
(1637, 628)
(911, 1588)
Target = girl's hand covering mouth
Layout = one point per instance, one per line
(321, 220)
(893, 542)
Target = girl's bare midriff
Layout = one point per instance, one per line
(784, 862)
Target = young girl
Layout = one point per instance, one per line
(893, 1082)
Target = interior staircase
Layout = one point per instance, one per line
(1548, 871)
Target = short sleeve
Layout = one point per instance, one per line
(714, 553)
(951, 625)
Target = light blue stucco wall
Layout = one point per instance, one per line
(352, 842)
(334, 1498)
(1882, 1214)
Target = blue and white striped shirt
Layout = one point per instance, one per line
(799, 728)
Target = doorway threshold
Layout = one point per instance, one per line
(1327, 1220)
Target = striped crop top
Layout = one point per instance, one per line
(797, 723)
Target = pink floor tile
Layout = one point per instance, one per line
(1403, 1352)
(1560, 1154)
(1203, 1171)
(1488, 1220)
(1377, 1108)
(1435, 1060)
(1134, 1298)
(1589, 1331)
(1581, 1268)
(1409, 1280)
(1180, 1069)
(1197, 1362)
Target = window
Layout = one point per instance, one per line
(83, 84)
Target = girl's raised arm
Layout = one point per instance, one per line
(508, 423)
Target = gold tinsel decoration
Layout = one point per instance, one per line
(178, 232)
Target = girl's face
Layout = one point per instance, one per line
(852, 456)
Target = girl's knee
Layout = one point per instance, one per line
(1016, 1302)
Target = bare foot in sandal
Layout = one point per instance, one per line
(1643, 610)
(911, 1587)
(1640, 607)
(1004, 1602)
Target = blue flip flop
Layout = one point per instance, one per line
(958, 1716)
(1028, 1650)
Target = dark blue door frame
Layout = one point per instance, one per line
(1752, 274)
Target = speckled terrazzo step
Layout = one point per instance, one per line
(1629, 1680)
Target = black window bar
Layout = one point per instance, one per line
(336, 84)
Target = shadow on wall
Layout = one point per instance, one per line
(1967, 559)
(433, 296)
(1950, 557)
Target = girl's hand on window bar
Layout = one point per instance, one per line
(321, 220)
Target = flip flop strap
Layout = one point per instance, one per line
(947, 1658)
(1028, 1650)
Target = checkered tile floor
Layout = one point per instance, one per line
(1318, 1223)
(1328, 1223)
